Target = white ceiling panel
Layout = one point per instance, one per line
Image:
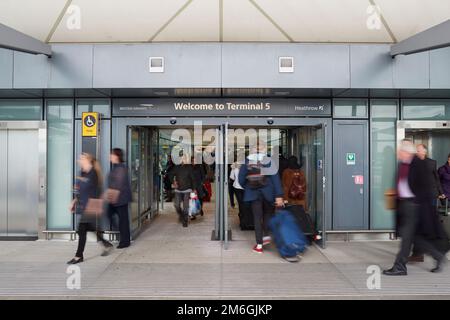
(32, 17)
(409, 17)
(198, 22)
(299, 20)
(117, 20)
(325, 20)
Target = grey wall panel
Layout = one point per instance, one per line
(186, 65)
(23, 182)
(31, 71)
(371, 66)
(3, 183)
(350, 200)
(412, 71)
(256, 66)
(71, 66)
(440, 69)
(6, 69)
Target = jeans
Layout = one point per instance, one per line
(262, 211)
(83, 228)
(182, 198)
(124, 222)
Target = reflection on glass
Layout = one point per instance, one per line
(350, 108)
(59, 164)
(384, 117)
(29, 109)
(426, 109)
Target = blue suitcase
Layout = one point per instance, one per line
(288, 237)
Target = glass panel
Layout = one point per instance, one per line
(426, 109)
(384, 117)
(135, 168)
(20, 109)
(59, 163)
(350, 108)
(96, 105)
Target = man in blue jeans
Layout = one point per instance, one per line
(262, 188)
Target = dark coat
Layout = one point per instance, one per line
(184, 174)
(199, 178)
(87, 187)
(118, 179)
(425, 191)
(270, 191)
(444, 177)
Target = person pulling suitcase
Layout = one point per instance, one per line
(262, 189)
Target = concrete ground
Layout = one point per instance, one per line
(168, 262)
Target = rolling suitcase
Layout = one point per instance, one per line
(288, 237)
(303, 219)
(246, 219)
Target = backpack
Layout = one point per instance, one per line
(255, 179)
(296, 190)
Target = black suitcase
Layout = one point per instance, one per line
(303, 219)
(246, 220)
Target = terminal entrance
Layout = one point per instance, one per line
(218, 147)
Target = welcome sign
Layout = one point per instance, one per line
(221, 107)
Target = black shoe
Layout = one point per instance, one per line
(107, 250)
(185, 224)
(395, 271)
(123, 246)
(439, 265)
(75, 260)
(201, 213)
(193, 218)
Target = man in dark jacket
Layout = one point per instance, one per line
(182, 177)
(431, 191)
(262, 198)
(411, 195)
(119, 183)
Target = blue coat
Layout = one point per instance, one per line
(270, 191)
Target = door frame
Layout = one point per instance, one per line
(41, 127)
(402, 125)
(120, 128)
(366, 173)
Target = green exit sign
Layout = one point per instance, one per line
(351, 159)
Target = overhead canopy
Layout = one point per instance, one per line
(223, 20)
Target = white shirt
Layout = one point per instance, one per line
(404, 191)
(234, 175)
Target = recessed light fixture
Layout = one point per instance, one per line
(285, 64)
(156, 64)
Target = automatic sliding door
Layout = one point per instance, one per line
(3, 183)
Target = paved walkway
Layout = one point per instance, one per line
(168, 261)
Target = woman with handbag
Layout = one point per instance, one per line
(87, 204)
(118, 195)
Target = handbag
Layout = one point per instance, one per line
(94, 206)
(194, 205)
(390, 199)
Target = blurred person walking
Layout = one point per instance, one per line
(118, 195)
(444, 178)
(412, 196)
(199, 172)
(87, 205)
(294, 183)
(434, 190)
(262, 190)
(183, 183)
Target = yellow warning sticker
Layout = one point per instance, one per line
(90, 124)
